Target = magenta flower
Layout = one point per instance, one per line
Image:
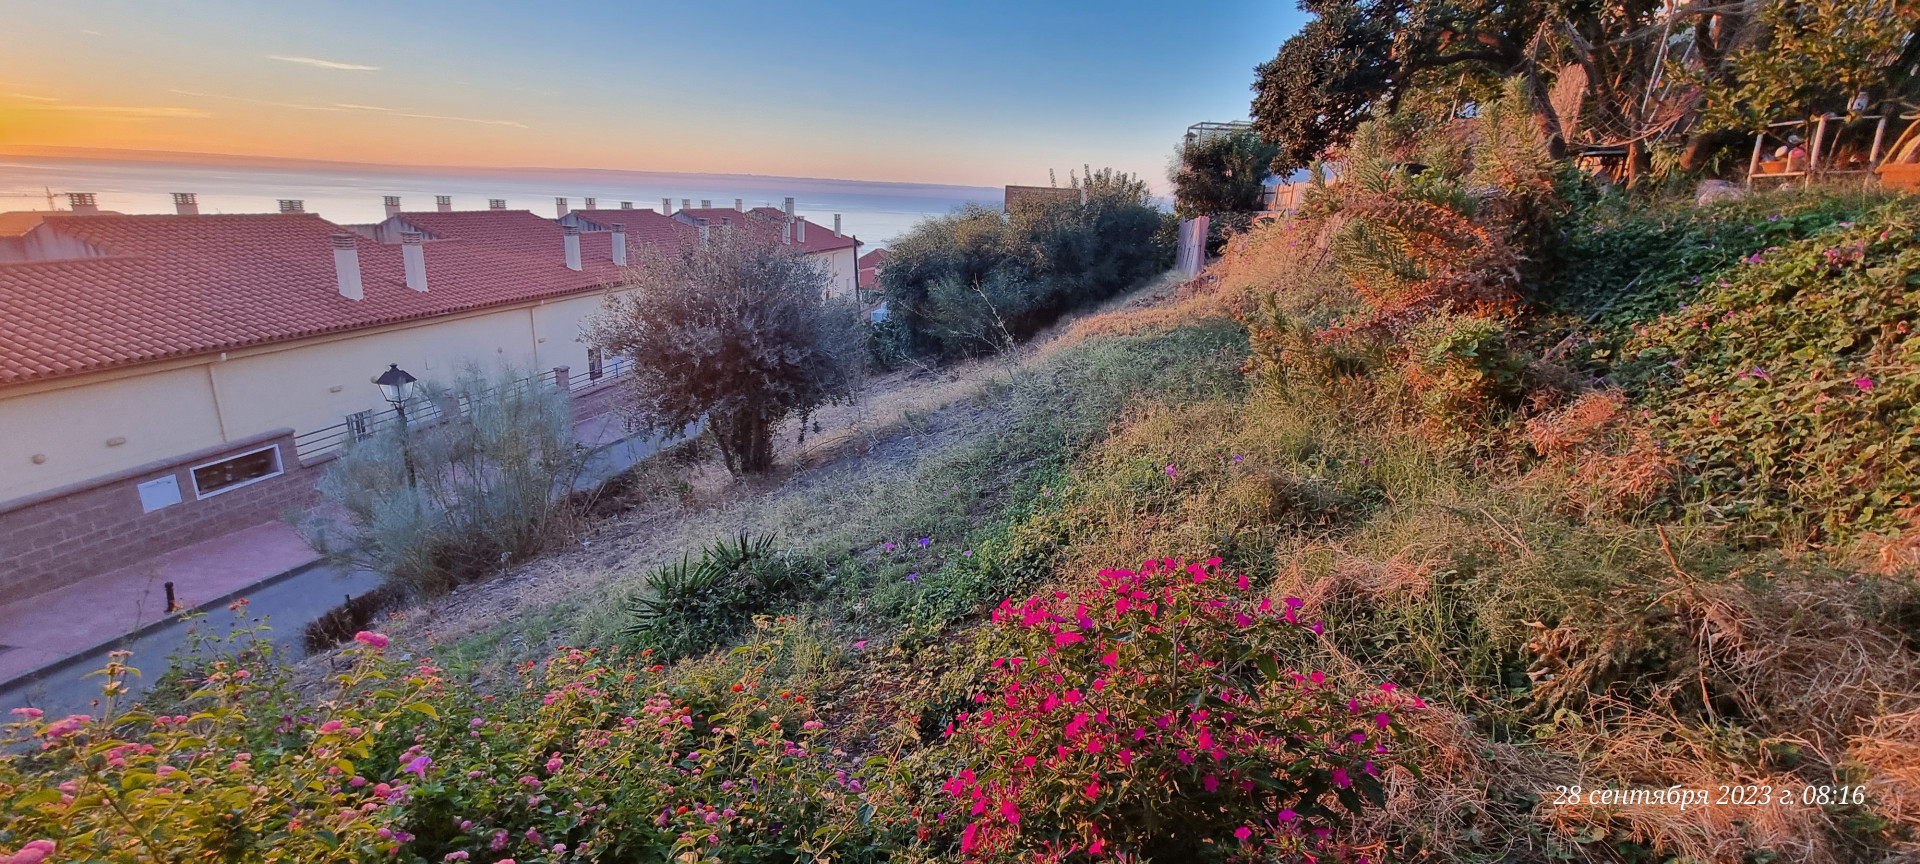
(368, 637)
(860, 645)
(1236, 458)
(1864, 383)
(1243, 832)
(967, 554)
(1171, 471)
(1288, 815)
(418, 766)
(888, 546)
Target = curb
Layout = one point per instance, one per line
(84, 654)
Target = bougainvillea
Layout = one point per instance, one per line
(1151, 713)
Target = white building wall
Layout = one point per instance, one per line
(54, 437)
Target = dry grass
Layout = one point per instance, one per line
(1889, 751)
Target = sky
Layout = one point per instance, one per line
(979, 92)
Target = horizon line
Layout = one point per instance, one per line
(188, 157)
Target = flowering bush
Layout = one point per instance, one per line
(591, 760)
(1150, 714)
(1788, 390)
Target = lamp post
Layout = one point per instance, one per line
(397, 387)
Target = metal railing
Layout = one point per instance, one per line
(325, 443)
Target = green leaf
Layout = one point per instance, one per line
(424, 708)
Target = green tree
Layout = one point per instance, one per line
(1220, 173)
(734, 332)
(1814, 57)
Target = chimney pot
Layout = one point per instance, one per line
(620, 242)
(414, 256)
(590, 204)
(392, 203)
(686, 203)
(443, 203)
(800, 230)
(706, 203)
(346, 266)
(666, 206)
(560, 206)
(626, 205)
(571, 236)
(496, 203)
(789, 208)
(740, 204)
(186, 204)
(836, 224)
(82, 202)
(292, 205)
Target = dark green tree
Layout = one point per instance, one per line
(1220, 173)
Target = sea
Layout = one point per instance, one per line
(352, 193)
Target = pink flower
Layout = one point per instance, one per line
(29, 713)
(1010, 812)
(1864, 383)
(1243, 832)
(34, 852)
(554, 764)
(418, 766)
(329, 727)
(1210, 783)
(1171, 471)
(967, 838)
(1112, 659)
(860, 645)
(1288, 815)
(368, 637)
(71, 724)
(1067, 638)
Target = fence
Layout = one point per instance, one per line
(1193, 246)
(325, 443)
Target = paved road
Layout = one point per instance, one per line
(286, 603)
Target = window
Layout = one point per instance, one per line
(594, 368)
(237, 471)
(360, 425)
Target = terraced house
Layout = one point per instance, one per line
(168, 378)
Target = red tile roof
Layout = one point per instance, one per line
(870, 267)
(819, 239)
(647, 231)
(172, 286)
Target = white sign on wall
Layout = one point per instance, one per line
(158, 493)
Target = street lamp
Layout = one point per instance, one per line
(397, 387)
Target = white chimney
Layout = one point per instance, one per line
(786, 233)
(571, 235)
(443, 203)
(292, 205)
(706, 203)
(686, 203)
(666, 206)
(740, 204)
(496, 203)
(560, 207)
(800, 230)
(706, 232)
(346, 266)
(82, 203)
(626, 205)
(836, 224)
(414, 256)
(590, 205)
(186, 204)
(789, 208)
(620, 242)
(392, 203)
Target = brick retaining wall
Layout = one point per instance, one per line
(55, 538)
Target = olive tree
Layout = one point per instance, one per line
(735, 332)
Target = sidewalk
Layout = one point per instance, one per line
(47, 628)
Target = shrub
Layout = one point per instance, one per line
(590, 760)
(690, 606)
(1790, 389)
(1150, 715)
(734, 333)
(976, 280)
(436, 504)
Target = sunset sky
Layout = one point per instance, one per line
(982, 92)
